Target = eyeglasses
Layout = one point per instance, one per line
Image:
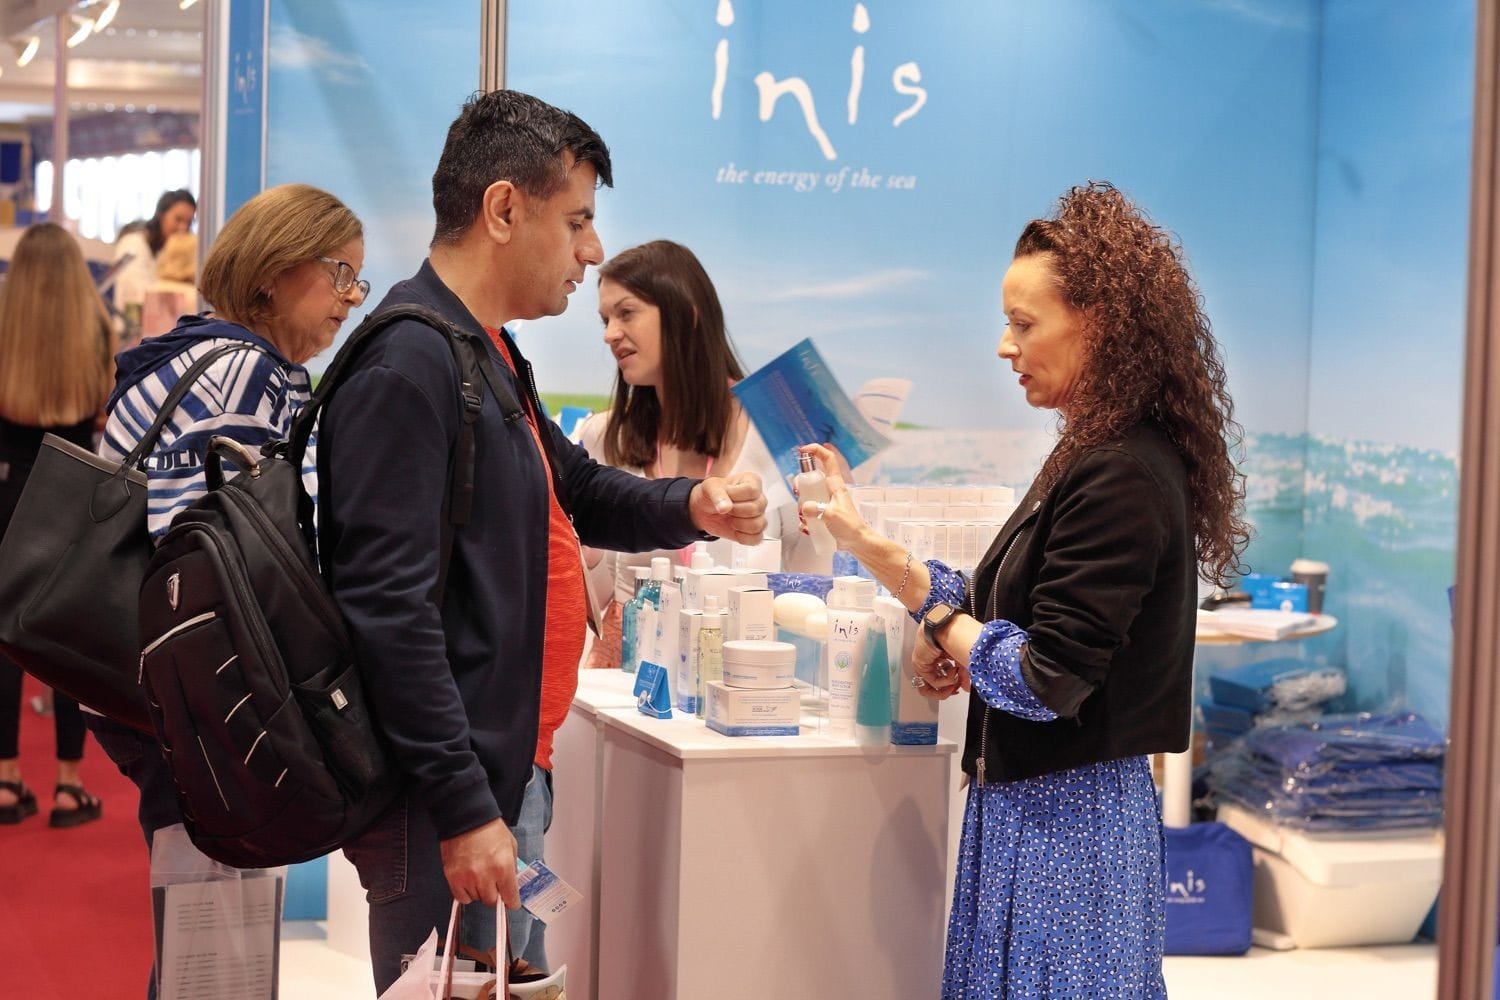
(343, 277)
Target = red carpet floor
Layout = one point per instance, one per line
(74, 904)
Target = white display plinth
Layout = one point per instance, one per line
(348, 921)
(742, 867)
(572, 845)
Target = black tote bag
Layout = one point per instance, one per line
(71, 566)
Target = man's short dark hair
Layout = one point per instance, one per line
(506, 135)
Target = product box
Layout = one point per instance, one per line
(942, 542)
(764, 557)
(927, 511)
(751, 614)
(887, 514)
(914, 719)
(932, 494)
(974, 539)
(900, 494)
(997, 494)
(669, 628)
(689, 621)
(753, 711)
(698, 584)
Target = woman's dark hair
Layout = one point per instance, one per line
(154, 236)
(697, 360)
(1149, 354)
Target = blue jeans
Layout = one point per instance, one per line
(139, 758)
(401, 870)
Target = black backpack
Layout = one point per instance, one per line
(248, 669)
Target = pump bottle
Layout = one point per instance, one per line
(710, 650)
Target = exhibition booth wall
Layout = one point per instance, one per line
(857, 174)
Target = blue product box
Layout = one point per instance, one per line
(913, 734)
(1248, 686)
(1229, 719)
(1258, 586)
(1280, 595)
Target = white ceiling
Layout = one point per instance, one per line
(150, 57)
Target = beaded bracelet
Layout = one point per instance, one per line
(905, 574)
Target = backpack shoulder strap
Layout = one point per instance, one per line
(169, 405)
(473, 364)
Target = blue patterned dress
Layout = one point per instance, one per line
(1059, 890)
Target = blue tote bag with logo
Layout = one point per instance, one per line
(1209, 875)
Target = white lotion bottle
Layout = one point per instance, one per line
(849, 614)
(812, 485)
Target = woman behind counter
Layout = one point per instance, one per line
(175, 211)
(1076, 636)
(671, 413)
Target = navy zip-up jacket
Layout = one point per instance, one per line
(456, 689)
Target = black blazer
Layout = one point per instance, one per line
(1101, 573)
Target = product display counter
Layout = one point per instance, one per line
(736, 866)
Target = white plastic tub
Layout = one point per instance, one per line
(759, 663)
(1335, 891)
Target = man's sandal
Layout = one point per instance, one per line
(25, 804)
(90, 807)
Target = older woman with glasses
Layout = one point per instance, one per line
(282, 278)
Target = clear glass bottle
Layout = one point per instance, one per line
(648, 594)
(811, 484)
(629, 646)
(710, 650)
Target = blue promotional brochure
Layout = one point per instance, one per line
(795, 400)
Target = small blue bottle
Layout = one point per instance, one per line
(629, 653)
(873, 711)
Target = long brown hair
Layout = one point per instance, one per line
(1150, 354)
(55, 341)
(698, 361)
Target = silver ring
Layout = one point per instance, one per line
(918, 682)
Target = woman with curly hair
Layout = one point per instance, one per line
(1076, 634)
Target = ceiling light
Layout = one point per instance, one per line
(82, 28)
(28, 53)
(185, 4)
(106, 15)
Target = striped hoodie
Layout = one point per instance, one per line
(250, 396)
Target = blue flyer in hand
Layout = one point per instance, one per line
(795, 400)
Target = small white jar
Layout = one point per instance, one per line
(759, 663)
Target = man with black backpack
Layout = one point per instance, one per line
(463, 671)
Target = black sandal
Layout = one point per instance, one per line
(25, 804)
(90, 807)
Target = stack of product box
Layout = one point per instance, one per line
(954, 524)
(754, 695)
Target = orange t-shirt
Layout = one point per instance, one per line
(567, 607)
